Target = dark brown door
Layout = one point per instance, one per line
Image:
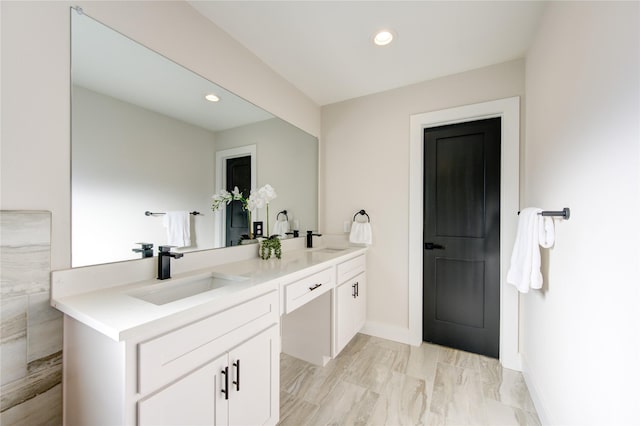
(238, 174)
(462, 236)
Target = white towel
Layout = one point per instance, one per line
(360, 233)
(281, 227)
(178, 229)
(534, 231)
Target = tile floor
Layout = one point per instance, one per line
(380, 382)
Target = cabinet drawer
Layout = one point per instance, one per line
(176, 353)
(306, 289)
(351, 268)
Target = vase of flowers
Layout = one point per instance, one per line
(255, 200)
(262, 198)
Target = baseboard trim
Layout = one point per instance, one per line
(389, 332)
(535, 394)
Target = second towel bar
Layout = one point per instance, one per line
(564, 213)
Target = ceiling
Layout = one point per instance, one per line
(107, 62)
(324, 48)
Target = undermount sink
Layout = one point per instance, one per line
(174, 290)
(329, 250)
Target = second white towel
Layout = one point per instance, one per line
(534, 231)
(281, 227)
(361, 233)
(178, 228)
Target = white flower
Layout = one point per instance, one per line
(237, 195)
(255, 201)
(251, 204)
(221, 198)
(267, 193)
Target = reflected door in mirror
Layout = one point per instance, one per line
(238, 174)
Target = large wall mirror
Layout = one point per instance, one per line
(145, 139)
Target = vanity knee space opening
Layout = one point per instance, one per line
(307, 331)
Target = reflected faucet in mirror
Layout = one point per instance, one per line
(145, 248)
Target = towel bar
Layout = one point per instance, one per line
(363, 213)
(284, 212)
(148, 213)
(564, 213)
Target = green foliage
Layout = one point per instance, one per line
(269, 246)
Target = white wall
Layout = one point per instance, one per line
(365, 165)
(127, 160)
(287, 159)
(581, 333)
(35, 160)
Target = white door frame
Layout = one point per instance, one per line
(221, 182)
(509, 110)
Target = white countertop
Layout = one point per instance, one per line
(117, 313)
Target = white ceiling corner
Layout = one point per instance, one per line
(324, 48)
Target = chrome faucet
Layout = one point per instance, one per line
(164, 261)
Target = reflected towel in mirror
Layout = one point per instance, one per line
(281, 227)
(178, 228)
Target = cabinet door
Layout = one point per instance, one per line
(344, 322)
(351, 310)
(254, 380)
(196, 399)
(360, 303)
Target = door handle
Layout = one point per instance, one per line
(237, 381)
(433, 246)
(314, 286)
(225, 391)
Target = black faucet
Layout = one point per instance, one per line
(164, 261)
(310, 235)
(145, 248)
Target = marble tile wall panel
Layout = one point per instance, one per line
(30, 329)
(13, 339)
(25, 251)
(44, 328)
(32, 412)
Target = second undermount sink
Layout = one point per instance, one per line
(329, 250)
(178, 289)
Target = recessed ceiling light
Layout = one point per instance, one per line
(383, 38)
(212, 98)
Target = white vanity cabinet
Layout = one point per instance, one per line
(234, 389)
(212, 358)
(350, 304)
(217, 370)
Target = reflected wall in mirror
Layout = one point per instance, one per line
(145, 139)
